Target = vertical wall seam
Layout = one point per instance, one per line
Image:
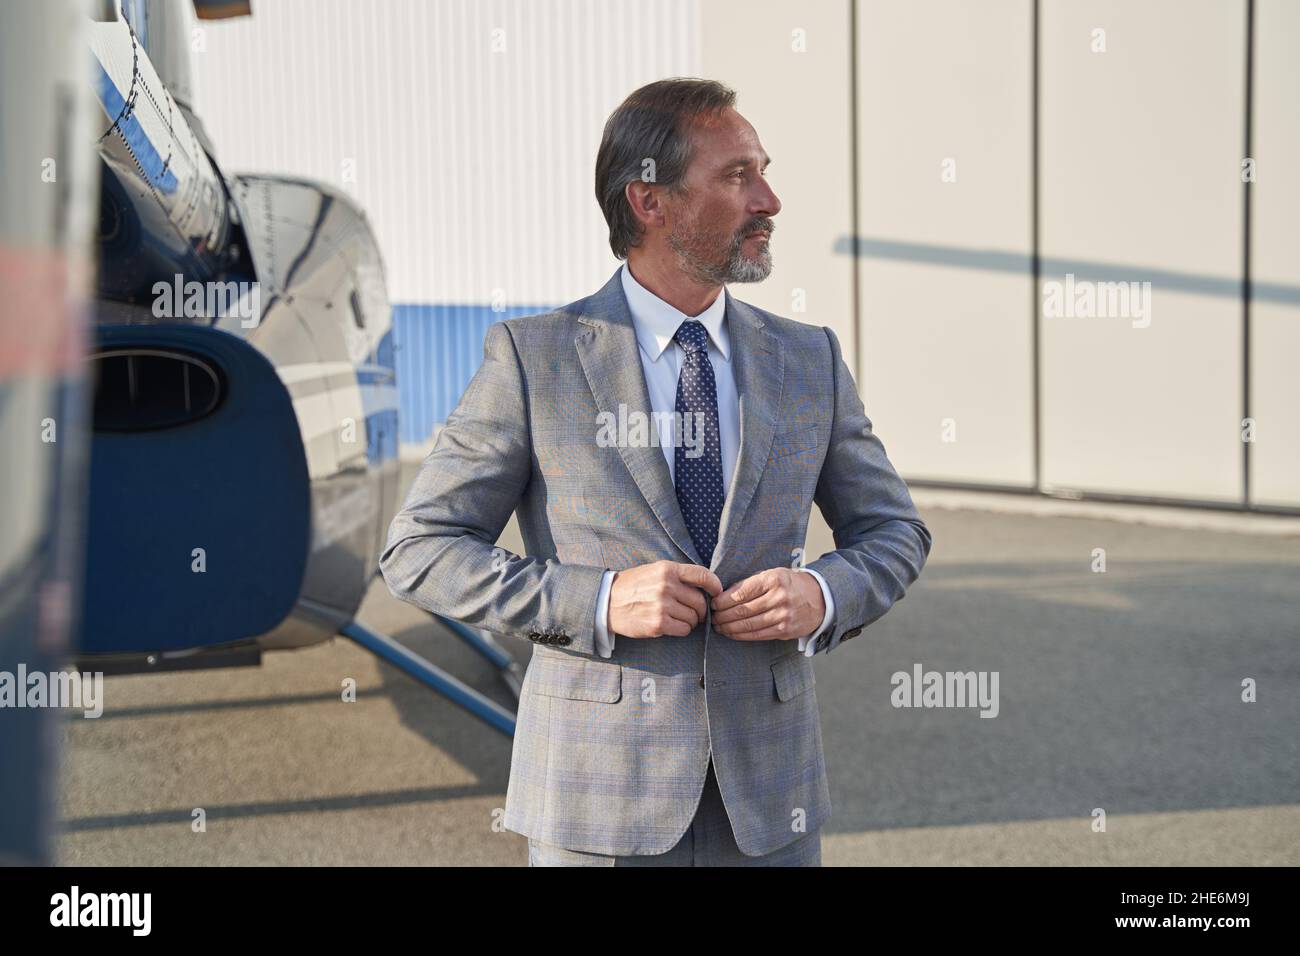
(1245, 255)
(860, 365)
(1034, 240)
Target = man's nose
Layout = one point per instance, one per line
(769, 204)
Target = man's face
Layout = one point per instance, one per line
(726, 201)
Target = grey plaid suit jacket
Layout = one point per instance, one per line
(610, 755)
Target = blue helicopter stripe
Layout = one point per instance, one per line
(164, 180)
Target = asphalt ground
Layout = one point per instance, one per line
(1118, 691)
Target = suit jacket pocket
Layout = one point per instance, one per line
(576, 679)
(792, 675)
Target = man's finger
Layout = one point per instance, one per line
(700, 577)
(746, 590)
(756, 605)
(766, 634)
(692, 598)
(758, 625)
(680, 613)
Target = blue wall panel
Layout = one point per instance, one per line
(439, 348)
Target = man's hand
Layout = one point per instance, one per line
(663, 598)
(773, 605)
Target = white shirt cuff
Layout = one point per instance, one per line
(604, 639)
(809, 644)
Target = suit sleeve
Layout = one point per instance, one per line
(441, 554)
(881, 544)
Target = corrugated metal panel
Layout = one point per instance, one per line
(439, 347)
(467, 130)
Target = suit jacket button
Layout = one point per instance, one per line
(565, 639)
(701, 680)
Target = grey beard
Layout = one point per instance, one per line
(736, 268)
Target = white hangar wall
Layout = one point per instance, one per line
(1138, 178)
(916, 134)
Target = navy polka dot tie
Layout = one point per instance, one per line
(698, 478)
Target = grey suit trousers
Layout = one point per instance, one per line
(709, 841)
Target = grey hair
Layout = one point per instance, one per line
(653, 123)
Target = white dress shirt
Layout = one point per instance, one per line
(656, 323)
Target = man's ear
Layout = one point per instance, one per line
(645, 202)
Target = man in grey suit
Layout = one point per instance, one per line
(662, 443)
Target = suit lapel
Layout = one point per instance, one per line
(611, 360)
(758, 365)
